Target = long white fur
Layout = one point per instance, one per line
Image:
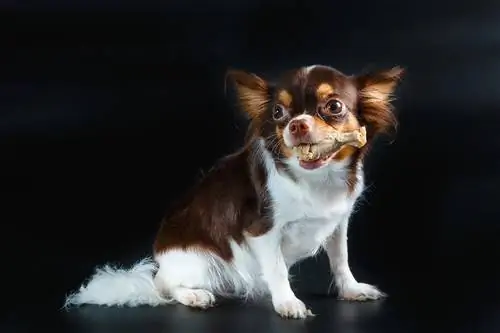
(113, 286)
(310, 213)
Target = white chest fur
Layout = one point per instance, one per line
(308, 209)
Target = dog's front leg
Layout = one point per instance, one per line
(347, 286)
(267, 251)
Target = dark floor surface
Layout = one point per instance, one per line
(426, 308)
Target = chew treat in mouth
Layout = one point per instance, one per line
(330, 145)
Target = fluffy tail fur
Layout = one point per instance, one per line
(110, 286)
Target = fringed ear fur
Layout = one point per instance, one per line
(252, 92)
(375, 97)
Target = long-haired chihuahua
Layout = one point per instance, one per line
(261, 210)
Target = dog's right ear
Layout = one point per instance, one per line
(252, 92)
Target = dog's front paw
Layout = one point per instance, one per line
(360, 292)
(292, 308)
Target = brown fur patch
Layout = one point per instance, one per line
(230, 199)
(285, 99)
(345, 152)
(350, 123)
(259, 227)
(324, 91)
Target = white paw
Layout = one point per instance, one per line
(292, 308)
(360, 292)
(197, 298)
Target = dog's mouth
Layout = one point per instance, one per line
(313, 156)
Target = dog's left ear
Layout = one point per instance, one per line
(375, 99)
(253, 92)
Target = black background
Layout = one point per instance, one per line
(93, 95)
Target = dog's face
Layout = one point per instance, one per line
(307, 105)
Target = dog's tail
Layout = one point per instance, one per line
(110, 286)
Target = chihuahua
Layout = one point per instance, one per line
(261, 210)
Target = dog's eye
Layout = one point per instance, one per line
(278, 112)
(334, 107)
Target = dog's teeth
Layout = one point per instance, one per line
(315, 152)
(311, 152)
(304, 149)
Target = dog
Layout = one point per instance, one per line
(262, 209)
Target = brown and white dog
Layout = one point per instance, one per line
(262, 209)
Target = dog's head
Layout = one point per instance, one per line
(310, 104)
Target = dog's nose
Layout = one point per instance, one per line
(298, 127)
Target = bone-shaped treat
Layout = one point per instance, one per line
(311, 152)
(356, 138)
